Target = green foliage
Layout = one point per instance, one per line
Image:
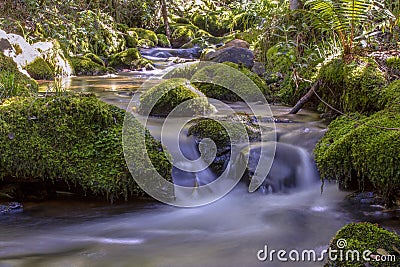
(76, 139)
(40, 70)
(352, 87)
(85, 66)
(365, 236)
(363, 153)
(163, 40)
(393, 62)
(13, 82)
(348, 19)
(161, 99)
(130, 59)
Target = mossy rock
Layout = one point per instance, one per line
(145, 34)
(12, 81)
(161, 99)
(95, 59)
(362, 237)
(363, 154)
(131, 41)
(145, 43)
(225, 72)
(181, 36)
(85, 66)
(212, 22)
(205, 42)
(390, 96)
(351, 87)
(40, 70)
(163, 40)
(129, 59)
(241, 128)
(74, 140)
(122, 27)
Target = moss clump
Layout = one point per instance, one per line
(85, 66)
(95, 58)
(74, 139)
(360, 155)
(145, 34)
(13, 82)
(130, 59)
(352, 87)
(145, 43)
(240, 127)
(390, 96)
(40, 70)
(362, 237)
(161, 99)
(131, 41)
(163, 40)
(213, 22)
(393, 62)
(226, 73)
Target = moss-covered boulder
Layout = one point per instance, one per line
(363, 237)
(131, 40)
(73, 143)
(181, 36)
(95, 58)
(163, 40)
(224, 132)
(40, 70)
(351, 87)
(161, 99)
(129, 59)
(145, 34)
(12, 81)
(390, 96)
(363, 154)
(85, 66)
(393, 62)
(229, 75)
(146, 43)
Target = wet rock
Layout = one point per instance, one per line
(232, 54)
(10, 207)
(237, 43)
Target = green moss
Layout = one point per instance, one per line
(360, 155)
(96, 59)
(75, 139)
(145, 34)
(216, 23)
(161, 99)
(13, 82)
(229, 76)
(393, 62)
(390, 96)
(239, 126)
(163, 40)
(40, 70)
(183, 31)
(85, 66)
(362, 237)
(122, 27)
(130, 59)
(131, 41)
(145, 43)
(353, 87)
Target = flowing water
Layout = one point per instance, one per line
(228, 232)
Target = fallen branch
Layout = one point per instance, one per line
(305, 98)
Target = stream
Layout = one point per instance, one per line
(228, 232)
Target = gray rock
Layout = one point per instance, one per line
(232, 54)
